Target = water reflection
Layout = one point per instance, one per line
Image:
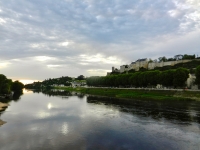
(181, 112)
(64, 129)
(4, 102)
(2, 122)
(66, 120)
(60, 93)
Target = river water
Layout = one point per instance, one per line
(62, 120)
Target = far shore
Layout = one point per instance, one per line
(139, 93)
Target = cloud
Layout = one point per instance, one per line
(91, 35)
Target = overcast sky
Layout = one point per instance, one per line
(42, 39)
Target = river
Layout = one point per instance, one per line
(62, 120)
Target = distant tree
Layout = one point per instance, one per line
(164, 59)
(152, 77)
(155, 60)
(167, 77)
(142, 69)
(132, 71)
(17, 86)
(6, 87)
(180, 77)
(5, 84)
(2, 81)
(197, 73)
(170, 59)
(150, 60)
(81, 77)
(192, 71)
(178, 57)
(188, 56)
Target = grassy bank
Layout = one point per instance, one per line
(138, 93)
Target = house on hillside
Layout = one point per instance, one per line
(78, 84)
(124, 68)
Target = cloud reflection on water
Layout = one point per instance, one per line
(93, 124)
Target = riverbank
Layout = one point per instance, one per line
(143, 94)
(3, 106)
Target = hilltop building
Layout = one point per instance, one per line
(144, 63)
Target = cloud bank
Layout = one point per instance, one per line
(43, 39)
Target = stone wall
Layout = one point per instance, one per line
(139, 64)
(162, 64)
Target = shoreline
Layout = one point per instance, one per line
(140, 94)
(3, 106)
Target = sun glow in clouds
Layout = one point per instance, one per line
(2, 21)
(99, 58)
(97, 71)
(44, 58)
(4, 65)
(64, 43)
(26, 81)
(53, 66)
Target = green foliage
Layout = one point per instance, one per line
(17, 86)
(166, 78)
(164, 59)
(197, 73)
(180, 76)
(34, 85)
(188, 56)
(81, 77)
(136, 94)
(142, 79)
(188, 65)
(5, 84)
(49, 82)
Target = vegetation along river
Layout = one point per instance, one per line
(67, 120)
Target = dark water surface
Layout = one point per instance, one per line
(63, 120)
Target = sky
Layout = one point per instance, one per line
(49, 39)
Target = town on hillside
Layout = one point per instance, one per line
(150, 64)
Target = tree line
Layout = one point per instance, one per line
(7, 85)
(47, 83)
(170, 78)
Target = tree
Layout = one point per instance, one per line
(150, 60)
(188, 56)
(197, 73)
(81, 77)
(164, 59)
(17, 86)
(170, 59)
(178, 57)
(2, 81)
(167, 77)
(180, 77)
